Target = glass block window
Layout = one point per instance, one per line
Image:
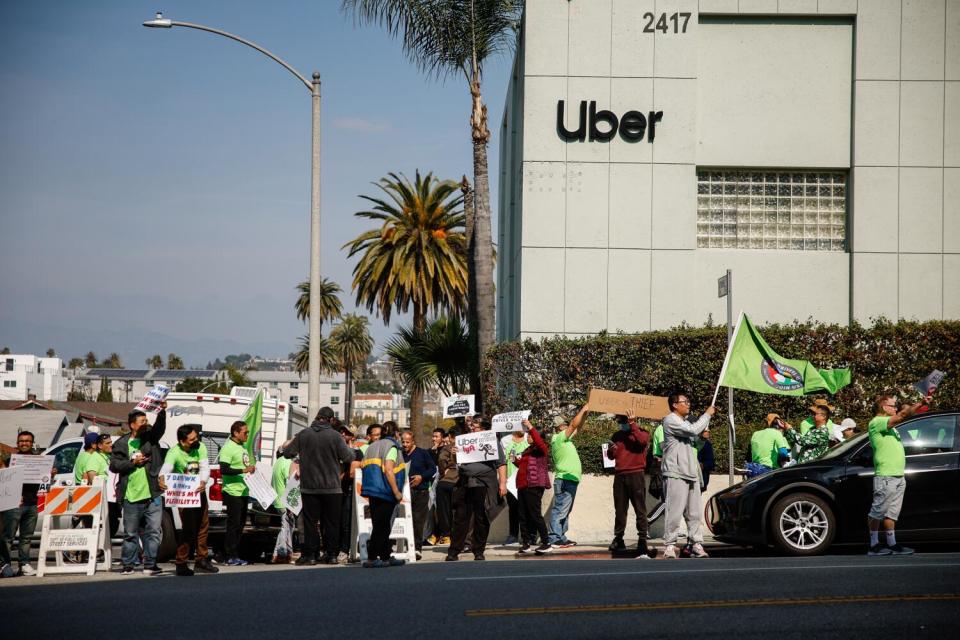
(741, 209)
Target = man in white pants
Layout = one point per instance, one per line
(681, 475)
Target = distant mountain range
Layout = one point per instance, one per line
(133, 346)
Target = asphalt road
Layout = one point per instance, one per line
(849, 596)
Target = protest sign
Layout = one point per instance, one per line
(36, 469)
(457, 405)
(512, 486)
(291, 496)
(929, 385)
(510, 421)
(259, 484)
(11, 487)
(154, 398)
(182, 491)
(607, 462)
(480, 446)
(604, 401)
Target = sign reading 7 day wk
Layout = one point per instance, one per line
(182, 490)
(604, 401)
(480, 446)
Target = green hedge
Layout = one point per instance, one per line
(555, 375)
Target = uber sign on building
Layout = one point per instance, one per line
(811, 146)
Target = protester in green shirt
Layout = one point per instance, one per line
(96, 464)
(768, 446)
(889, 462)
(566, 477)
(656, 441)
(373, 434)
(89, 447)
(234, 462)
(283, 548)
(815, 441)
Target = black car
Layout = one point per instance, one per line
(805, 508)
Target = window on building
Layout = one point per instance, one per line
(334, 399)
(739, 209)
(9, 364)
(294, 400)
(10, 384)
(334, 385)
(294, 385)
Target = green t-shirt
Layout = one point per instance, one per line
(186, 461)
(78, 466)
(236, 457)
(658, 441)
(512, 446)
(138, 487)
(888, 455)
(278, 478)
(97, 462)
(364, 447)
(566, 460)
(765, 447)
(806, 425)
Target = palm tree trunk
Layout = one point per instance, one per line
(482, 241)
(469, 198)
(416, 396)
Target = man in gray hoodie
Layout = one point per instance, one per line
(681, 475)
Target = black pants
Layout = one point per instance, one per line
(236, 518)
(518, 522)
(420, 506)
(630, 488)
(346, 520)
(381, 515)
(530, 501)
(113, 517)
(323, 510)
(444, 508)
(470, 504)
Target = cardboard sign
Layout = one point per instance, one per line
(928, 385)
(182, 491)
(457, 405)
(607, 462)
(154, 398)
(11, 487)
(259, 484)
(618, 402)
(480, 446)
(291, 495)
(36, 469)
(511, 421)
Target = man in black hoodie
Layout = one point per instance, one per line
(322, 453)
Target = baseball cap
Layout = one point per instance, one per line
(559, 421)
(90, 439)
(771, 417)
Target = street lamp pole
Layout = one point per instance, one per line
(313, 392)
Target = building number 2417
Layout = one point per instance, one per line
(662, 25)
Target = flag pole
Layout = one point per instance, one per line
(726, 360)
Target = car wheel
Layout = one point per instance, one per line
(803, 524)
(168, 539)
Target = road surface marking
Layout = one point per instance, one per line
(709, 604)
(872, 565)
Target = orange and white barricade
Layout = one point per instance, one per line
(63, 504)
(401, 534)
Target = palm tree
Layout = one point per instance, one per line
(416, 258)
(51, 353)
(113, 361)
(351, 338)
(75, 363)
(435, 356)
(174, 361)
(90, 360)
(455, 38)
(330, 306)
(329, 358)
(155, 361)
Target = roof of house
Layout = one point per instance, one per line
(47, 426)
(146, 374)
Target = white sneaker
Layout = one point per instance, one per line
(27, 570)
(670, 551)
(697, 551)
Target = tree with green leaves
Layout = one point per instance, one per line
(90, 360)
(329, 358)
(5, 351)
(113, 361)
(105, 395)
(353, 343)
(454, 38)
(438, 355)
(75, 363)
(330, 306)
(416, 257)
(51, 353)
(174, 362)
(155, 361)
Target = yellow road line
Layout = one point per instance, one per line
(709, 604)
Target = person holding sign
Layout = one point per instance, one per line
(234, 463)
(566, 478)
(629, 450)
(384, 473)
(681, 475)
(532, 479)
(189, 457)
(136, 458)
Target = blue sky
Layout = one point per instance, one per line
(154, 184)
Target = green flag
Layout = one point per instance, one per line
(752, 365)
(254, 419)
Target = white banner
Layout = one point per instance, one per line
(154, 398)
(36, 469)
(457, 405)
(182, 491)
(11, 487)
(291, 495)
(510, 421)
(607, 462)
(259, 484)
(480, 446)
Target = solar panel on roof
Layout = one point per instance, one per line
(117, 374)
(176, 374)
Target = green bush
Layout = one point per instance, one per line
(555, 375)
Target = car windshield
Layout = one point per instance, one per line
(844, 447)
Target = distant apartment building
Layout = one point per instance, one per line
(130, 385)
(22, 376)
(291, 387)
(380, 407)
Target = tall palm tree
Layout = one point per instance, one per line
(113, 361)
(436, 356)
(330, 306)
(416, 258)
(455, 38)
(329, 358)
(155, 361)
(353, 343)
(174, 361)
(90, 360)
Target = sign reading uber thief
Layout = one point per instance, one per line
(457, 405)
(632, 125)
(480, 446)
(604, 401)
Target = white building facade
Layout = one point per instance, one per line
(23, 375)
(291, 387)
(810, 146)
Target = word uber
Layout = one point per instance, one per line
(632, 125)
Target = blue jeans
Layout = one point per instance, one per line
(564, 493)
(149, 514)
(23, 519)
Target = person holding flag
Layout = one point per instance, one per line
(235, 461)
